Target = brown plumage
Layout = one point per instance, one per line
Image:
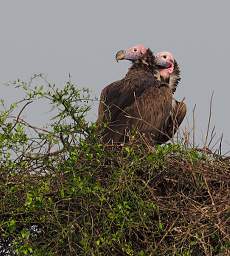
(174, 78)
(174, 121)
(179, 109)
(136, 102)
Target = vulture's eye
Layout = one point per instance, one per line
(135, 49)
(164, 56)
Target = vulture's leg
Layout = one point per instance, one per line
(177, 116)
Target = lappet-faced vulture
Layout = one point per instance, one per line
(138, 101)
(171, 75)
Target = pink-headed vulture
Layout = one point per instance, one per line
(171, 75)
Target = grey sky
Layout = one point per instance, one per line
(81, 37)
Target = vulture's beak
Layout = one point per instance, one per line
(162, 63)
(120, 55)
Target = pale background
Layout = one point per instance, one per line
(57, 37)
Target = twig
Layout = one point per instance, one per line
(209, 120)
(18, 116)
(193, 125)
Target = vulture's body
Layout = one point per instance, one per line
(137, 102)
(179, 108)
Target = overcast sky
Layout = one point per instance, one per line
(57, 37)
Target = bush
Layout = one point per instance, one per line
(62, 192)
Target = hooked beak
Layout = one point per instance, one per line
(120, 55)
(163, 63)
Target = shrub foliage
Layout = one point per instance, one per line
(62, 192)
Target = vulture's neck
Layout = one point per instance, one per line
(171, 80)
(141, 67)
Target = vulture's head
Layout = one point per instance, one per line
(134, 53)
(170, 73)
(168, 57)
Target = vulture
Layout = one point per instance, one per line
(138, 102)
(171, 75)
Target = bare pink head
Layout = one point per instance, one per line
(132, 54)
(168, 57)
